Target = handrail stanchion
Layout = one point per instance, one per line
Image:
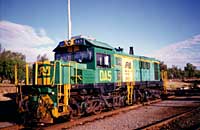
(36, 72)
(16, 80)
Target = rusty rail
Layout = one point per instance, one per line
(12, 127)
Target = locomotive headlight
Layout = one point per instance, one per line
(40, 101)
(52, 93)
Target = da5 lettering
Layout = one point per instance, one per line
(105, 75)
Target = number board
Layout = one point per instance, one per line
(79, 41)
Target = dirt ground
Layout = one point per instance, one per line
(178, 84)
(7, 92)
(172, 85)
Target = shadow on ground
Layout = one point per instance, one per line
(8, 109)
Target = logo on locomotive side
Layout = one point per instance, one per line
(44, 71)
(105, 75)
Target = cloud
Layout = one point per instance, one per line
(180, 53)
(25, 39)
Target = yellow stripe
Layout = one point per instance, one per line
(44, 62)
(134, 58)
(123, 56)
(48, 81)
(39, 81)
(54, 73)
(144, 60)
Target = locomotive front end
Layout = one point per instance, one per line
(49, 95)
(38, 102)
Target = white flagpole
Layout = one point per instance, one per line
(69, 22)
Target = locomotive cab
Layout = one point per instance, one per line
(77, 49)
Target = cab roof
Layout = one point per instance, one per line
(82, 41)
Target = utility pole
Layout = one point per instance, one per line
(69, 22)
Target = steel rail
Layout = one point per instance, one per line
(102, 115)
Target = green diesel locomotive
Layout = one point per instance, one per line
(87, 76)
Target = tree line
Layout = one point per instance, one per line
(9, 59)
(188, 72)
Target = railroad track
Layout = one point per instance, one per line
(12, 127)
(84, 120)
(102, 115)
(158, 124)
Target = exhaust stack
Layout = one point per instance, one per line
(131, 52)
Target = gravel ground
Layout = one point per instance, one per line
(188, 122)
(142, 116)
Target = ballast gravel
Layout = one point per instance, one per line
(142, 116)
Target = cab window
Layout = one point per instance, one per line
(103, 60)
(82, 56)
(118, 61)
(156, 71)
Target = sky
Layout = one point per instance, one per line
(165, 29)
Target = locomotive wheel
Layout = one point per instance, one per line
(21, 118)
(75, 112)
(43, 113)
(23, 111)
(98, 107)
(116, 102)
(122, 101)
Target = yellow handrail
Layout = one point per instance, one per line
(130, 94)
(54, 73)
(69, 74)
(36, 72)
(16, 80)
(164, 78)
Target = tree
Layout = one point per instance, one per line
(8, 61)
(189, 70)
(175, 73)
(197, 73)
(42, 57)
(163, 66)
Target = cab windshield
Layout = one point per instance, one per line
(79, 56)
